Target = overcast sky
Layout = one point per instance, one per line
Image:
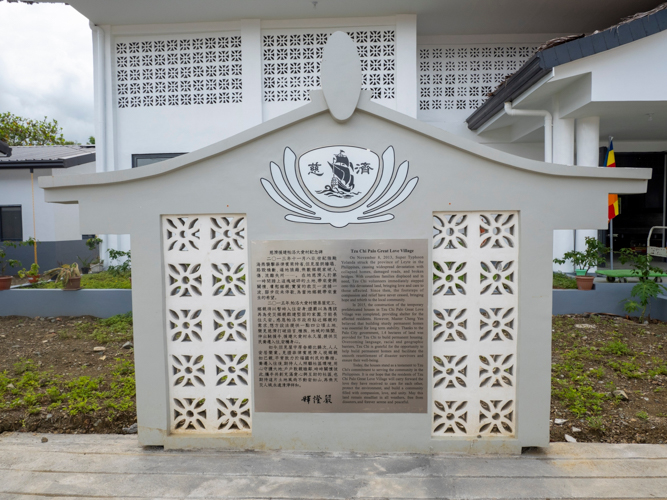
(46, 66)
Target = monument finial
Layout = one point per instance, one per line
(341, 76)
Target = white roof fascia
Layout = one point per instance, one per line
(506, 159)
(177, 28)
(435, 16)
(493, 123)
(538, 38)
(334, 22)
(205, 27)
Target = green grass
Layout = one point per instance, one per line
(114, 329)
(660, 367)
(596, 423)
(581, 399)
(562, 281)
(34, 389)
(103, 280)
(629, 369)
(28, 386)
(574, 385)
(616, 348)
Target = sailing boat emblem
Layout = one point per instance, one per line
(357, 190)
(349, 174)
(342, 182)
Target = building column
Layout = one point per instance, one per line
(251, 45)
(563, 154)
(588, 141)
(563, 138)
(100, 87)
(406, 64)
(588, 151)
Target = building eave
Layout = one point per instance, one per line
(5, 149)
(547, 59)
(59, 163)
(529, 74)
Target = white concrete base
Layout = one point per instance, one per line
(310, 438)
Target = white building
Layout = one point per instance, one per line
(23, 216)
(173, 77)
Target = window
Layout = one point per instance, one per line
(146, 159)
(11, 223)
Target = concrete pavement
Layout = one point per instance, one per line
(111, 466)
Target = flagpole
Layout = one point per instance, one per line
(610, 151)
(34, 220)
(611, 242)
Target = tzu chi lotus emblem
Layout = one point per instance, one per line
(339, 185)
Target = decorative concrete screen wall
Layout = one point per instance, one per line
(207, 305)
(343, 277)
(454, 80)
(161, 81)
(475, 310)
(222, 78)
(291, 60)
(179, 70)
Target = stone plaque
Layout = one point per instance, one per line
(340, 325)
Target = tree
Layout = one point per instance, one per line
(19, 131)
(91, 140)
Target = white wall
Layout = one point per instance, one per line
(191, 114)
(54, 222)
(15, 189)
(137, 128)
(177, 88)
(632, 72)
(66, 217)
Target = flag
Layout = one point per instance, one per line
(612, 208)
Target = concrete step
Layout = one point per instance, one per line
(109, 466)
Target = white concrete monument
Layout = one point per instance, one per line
(343, 277)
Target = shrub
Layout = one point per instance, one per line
(563, 281)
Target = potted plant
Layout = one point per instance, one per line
(85, 264)
(97, 265)
(94, 264)
(591, 257)
(32, 274)
(93, 243)
(6, 281)
(68, 274)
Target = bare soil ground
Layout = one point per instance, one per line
(609, 380)
(52, 379)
